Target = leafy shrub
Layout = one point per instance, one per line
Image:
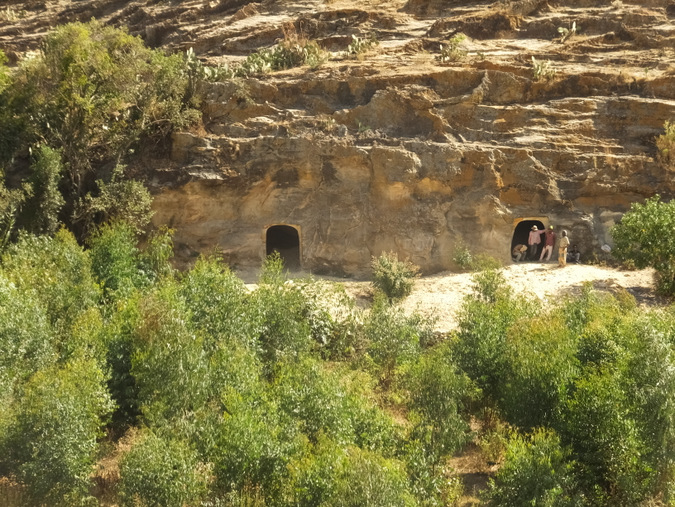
(394, 338)
(255, 446)
(283, 332)
(644, 236)
(333, 318)
(438, 396)
(26, 343)
(541, 366)
(46, 200)
(315, 398)
(168, 362)
(484, 323)
(452, 51)
(393, 277)
(11, 203)
(55, 271)
(115, 260)
(462, 256)
(94, 92)
(542, 70)
(605, 440)
(218, 304)
(536, 471)
(119, 337)
(467, 261)
(52, 442)
(650, 383)
(374, 428)
(367, 479)
(314, 476)
(161, 472)
(360, 45)
(666, 144)
(120, 200)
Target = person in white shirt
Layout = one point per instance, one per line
(562, 249)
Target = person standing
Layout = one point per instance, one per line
(549, 243)
(562, 249)
(533, 241)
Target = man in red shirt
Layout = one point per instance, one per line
(549, 243)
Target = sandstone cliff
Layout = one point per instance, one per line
(395, 149)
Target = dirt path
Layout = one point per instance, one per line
(441, 295)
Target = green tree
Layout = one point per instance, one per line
(26, 340)
(115, 260)
(484, 324)
(282, 329)
(218, 303)
(644, 236)
(255, 445)
(57, 272)
(438, 398)
(599, 426)
(161, 472)
(46, 200)
(537, 471)
(11, 203)
(52, 441)
(119, 200)
(393, 338)
(168, 361)
(541, 365)
(368, 480)
(93, 92)
(316, 399)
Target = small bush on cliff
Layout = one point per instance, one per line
(666, 144)
(393, 277)
(645, 236)
(361, 45)
(467, 261)
(542, 71)
(286, 55)
(452, 51)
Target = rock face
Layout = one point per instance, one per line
(399, 151)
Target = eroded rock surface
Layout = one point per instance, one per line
(395, 150)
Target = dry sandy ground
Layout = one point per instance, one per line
(441, 295)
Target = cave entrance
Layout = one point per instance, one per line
(285, 240)
(522, 231)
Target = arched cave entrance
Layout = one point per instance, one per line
(522, 231)
(285, 240)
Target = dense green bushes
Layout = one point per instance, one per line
(586, 373)
(644, 236)
(225, 395)
(82, 106)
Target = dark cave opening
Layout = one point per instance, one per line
(522, 231)
(285, 240)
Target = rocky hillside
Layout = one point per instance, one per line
(465, 123)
